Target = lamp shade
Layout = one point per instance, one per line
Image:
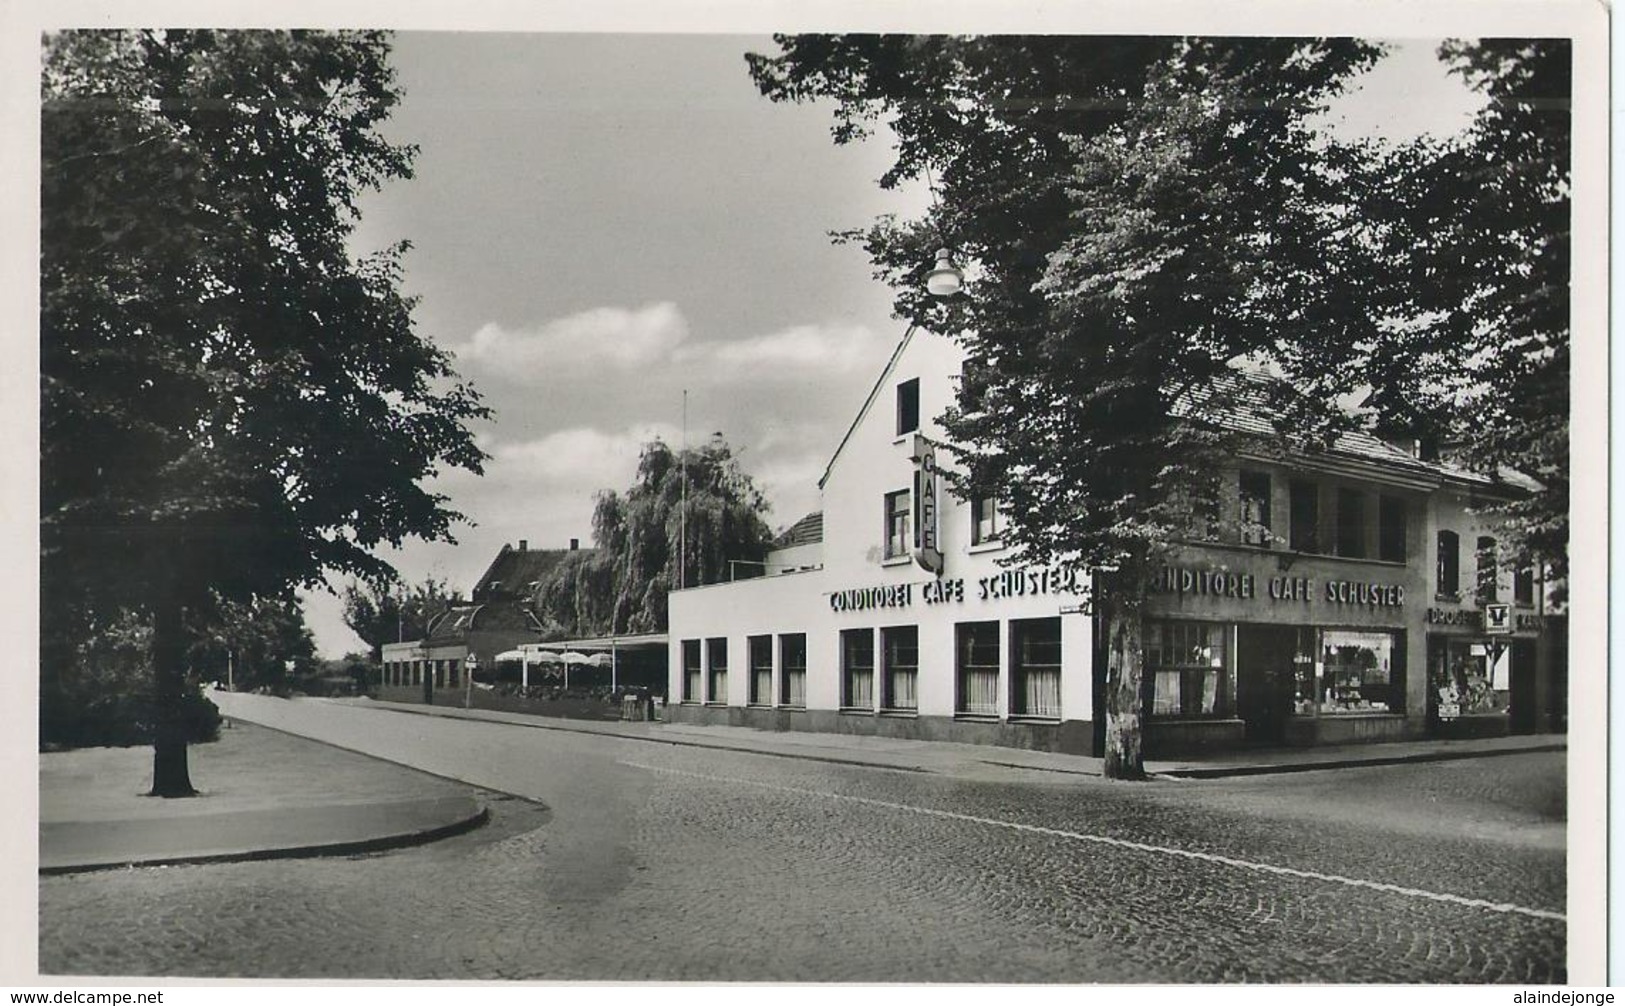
(945, 278)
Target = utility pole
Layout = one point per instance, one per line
(682, 507)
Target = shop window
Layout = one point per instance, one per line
(1357, 673)
(760, 653)
(897, 513)
(984, 520)
(793, 669)
(1255, 509)
(691, 670)
(716, 667)
(1523, 586)
(900, 653)
(857, 669)
(1351, 525)
(1485, 585)
(1304, 501)
(1187, 667)
(1035, 667)
(976, 648)
(908, 406)
(1449, 564)
(1468, 678)
(1391, 529)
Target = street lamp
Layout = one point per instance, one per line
(946, 278)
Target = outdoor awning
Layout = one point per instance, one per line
(509, 655)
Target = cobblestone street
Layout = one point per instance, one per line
(623, 859)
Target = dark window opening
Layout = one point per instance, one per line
(1304, 535)
(1391, 529)
(1351, 524)
(1487, 586)
(908, 406)
(1449, 571)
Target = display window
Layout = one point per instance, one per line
(1468, 677)
(1356, 672)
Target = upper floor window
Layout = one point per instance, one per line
(1351, 523)
(984, 520)
(1255, 508)
(1449, 572)
(1487, 570)
(908, 406)
(1391, 529)
(897, 513)
(1523, 586)
(1304, 533)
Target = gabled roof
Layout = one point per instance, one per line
(515, 572)
(809, 530)
(868, 403)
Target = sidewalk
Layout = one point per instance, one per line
(262, 794)
(971, 759)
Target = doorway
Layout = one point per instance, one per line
(1265, 680)
(1523, 709)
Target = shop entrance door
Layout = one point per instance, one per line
(1264, 680)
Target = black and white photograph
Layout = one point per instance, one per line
(1012, 498)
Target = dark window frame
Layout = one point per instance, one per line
(967, 648)
(1255, 527)
(1447, 567)
(755, 647)
(790, 668)
(849, 669)
(898, 534)
(1026, 636)
(1303, 516)
(891, 652)
(1393, 528)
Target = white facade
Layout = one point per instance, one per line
(865, 579)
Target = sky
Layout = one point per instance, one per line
(601, 222)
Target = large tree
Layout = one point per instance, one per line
(1141, 218)
(691, 517)
(391, 612)
(232, 402)
(1476, 240)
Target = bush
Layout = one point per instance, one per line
(101, 696)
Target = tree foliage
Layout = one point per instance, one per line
(256, 643)
(393, 612)
(1476, 233)
(231, 403)
(1140, 215)
(621, 585)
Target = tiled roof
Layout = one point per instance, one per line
(515, 572)
(462, 619)
(809, 530)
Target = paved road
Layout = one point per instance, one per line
(646, 861)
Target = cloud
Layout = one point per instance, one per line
(789, 353)
(617, 337)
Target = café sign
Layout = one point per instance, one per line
(927, 551)
(1201, 581)
(1001, 586)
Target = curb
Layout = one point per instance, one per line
(1230, 771)
(350, 847)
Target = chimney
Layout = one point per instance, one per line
(575, 543)
(524, 545)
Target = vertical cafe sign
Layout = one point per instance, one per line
(927, 551)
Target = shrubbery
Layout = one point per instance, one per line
(101, 695)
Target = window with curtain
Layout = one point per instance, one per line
(976, 647)
(900, 655)
(1035, 667)
(793, 669)
(857, 669)
(716, 666)
(691, 670)
(1187, 667)
(760, 654)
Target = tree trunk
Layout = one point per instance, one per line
(170, 777)
(1124, 664)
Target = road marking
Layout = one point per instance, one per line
(1123, 843)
